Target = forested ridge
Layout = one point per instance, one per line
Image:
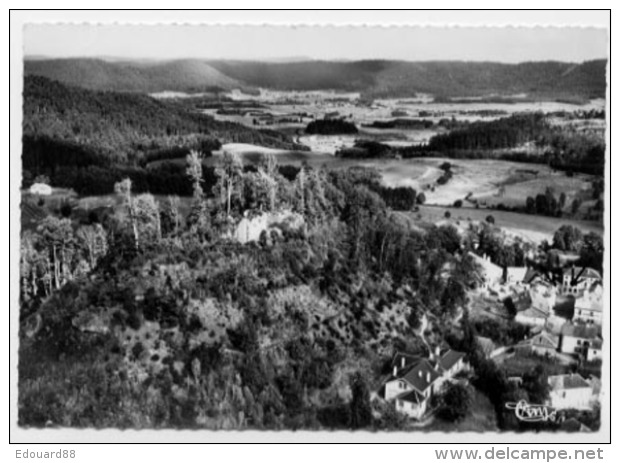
(267, 333)
(150, 318)
(372, 78)
(528, 138)
(71, 133)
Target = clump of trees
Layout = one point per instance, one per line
(546, 204)
(334, 126)
(455, 402)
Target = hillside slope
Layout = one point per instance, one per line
(449, 78)
(181, 75)
(67, 130)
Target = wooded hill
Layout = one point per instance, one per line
(69, 126)
(373, 78)
(96, 74)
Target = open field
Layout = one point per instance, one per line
(533, 184)
(480, 178)
(533, 228)
(484, 178)
(490, 182)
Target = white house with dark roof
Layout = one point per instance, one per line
(416, 379)
(589, 306)
(576, 338)
(570, 391)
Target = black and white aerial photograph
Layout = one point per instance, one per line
(272, 228)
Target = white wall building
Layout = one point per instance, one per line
(589, 306)
(570, 391)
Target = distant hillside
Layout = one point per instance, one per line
(399, 78)
(144, 77)
(373, 78)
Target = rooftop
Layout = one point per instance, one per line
(421, 375)
(450, 358)
(542, 339)
(580, 330)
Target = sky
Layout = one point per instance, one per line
(509, 44)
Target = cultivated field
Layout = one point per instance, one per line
(532, 228)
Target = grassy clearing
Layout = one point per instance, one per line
(530, 227)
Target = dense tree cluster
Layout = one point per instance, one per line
(351, 253)
(505, 132)
(331, 127)
(408, 124)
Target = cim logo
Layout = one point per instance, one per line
(532, 413)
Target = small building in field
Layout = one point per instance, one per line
(589, 306)
(40, 189)
(570, 391)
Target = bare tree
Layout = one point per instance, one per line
(230, 174)
(123, 188)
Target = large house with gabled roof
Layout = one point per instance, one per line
(415, 379)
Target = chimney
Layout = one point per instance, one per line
(428, 377)
(437, 351)
(402, 362)
(395, 370)
(420, 373)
